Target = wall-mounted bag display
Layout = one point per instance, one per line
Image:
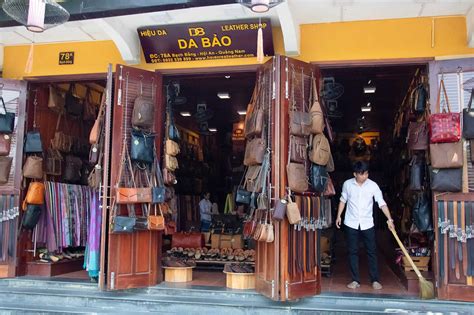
(444, 126)
(5, 144)
(142, 146)
(447, 155)
(320, 150)
(33, 142)
(297, 178)
(418, 135)
(446, 180)
(171, 147)
(73, 103)
(33, 167)
(298, 149)
(319, 177)
(316, 112)
(5, 168)
(7, 120)
(72, 169)
(31, 216)
(56, 101)
(143, 114)
(255, 151)
(468, 120)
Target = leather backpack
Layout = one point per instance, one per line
(143, 114)
(316, 111)
(320, 151)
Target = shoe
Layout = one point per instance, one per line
(354, 285)
(376, 285)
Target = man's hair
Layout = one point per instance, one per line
(360, 167)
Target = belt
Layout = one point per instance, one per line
(441, 219)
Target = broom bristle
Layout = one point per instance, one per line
(426, 289)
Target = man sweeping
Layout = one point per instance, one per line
(358, 194)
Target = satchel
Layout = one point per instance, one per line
(33, 142)
(446, 180)
(35, 194)
(94, 180)
(7, 120)
(31, 216)
(33, 167)
(316, 112)
(158, 194)
(293, 212)
(72, 169)
(187, 240)
(447, 155)
(422, 215)
(249, 227)
(300, 123)
(124, 195)
(156, 222)
(254, 119)
(5, 145)
(417, 173)
(320, 150)
(445, 126)
(420, 98)
(5, 168)
(255, 151)
(73, 103)
(56, 101)
(122, 224)
(319, 177)
(330, 167)
(298, 149)
(61, 141)
(54, 161)
(280, 209)
(418, 137)
(251, 182)
(297, 179)
(242, 196)
(171, 148)
(143, 115)
(330, 190)
(171, 163)
(468, 120)
(142, 147)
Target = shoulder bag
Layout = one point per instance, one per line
(33, 142)
(300, 120)
(418, 135)
(254, 119)
(156, 222)
(468, 119)
(255, 151)
(319, 177)
(171, 163)
(320, 150)
(330, 190)
(158, 190)
(293, 211)
(422, 214)
(33, 167)
(74, 106)
(168, 177)
(316, 112)
(31, 217)
(61, 141)
(142, 145)
(251, 178)
(5, 168)
(143, 114)
(446, 180)
(417, 173)
(7, 120)
(90, 108)
(419, 99)
(447, 155)
(121, 224)
(72, 169)
(34, 194)
(171, 147)
(96, 130)
(298, 149)
(444, 126)
(5, 144)
(56, 101)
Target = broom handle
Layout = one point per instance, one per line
(404, 250)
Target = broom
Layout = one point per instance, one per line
(426, 287)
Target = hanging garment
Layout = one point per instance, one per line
(92, 254)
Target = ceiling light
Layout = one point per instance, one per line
(242, 112)
(213, 129)
(369, 89)
(227, 76)
(366, 108)
(223, 95)
(185, 114)
(260, 6)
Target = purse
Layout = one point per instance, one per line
(61, 141)
(74, 106)
(143, 114)
(293, 211)
(95, 154)
(158, 192)
(31, 217)
(330, 167)
(173, 132)
(320, 150)
(445, 126)
(251, 182)
(168, 177)
(5, 168)
(417, 173)
(280, 209)
(420, 96)
(319, 177)
(446, 180)
(34, 194)
(56, 100)
(5, 145)
(418, 135)
(156, 222)
(171, 163)
(125, 195)
(54, 162)
(33, 142)
(298, 149)
(468, 120)
(187, 240)
(297, 179)
(447, 155)
(422, 215)
(316, 112)
(94, 179)
(90, 109)
(33, 167)
(72, 169)
(330, 190)
(122, 224)
(300, 123)
(95, 132)
(171, 148)
(254, 120)
(242, 196)
(255, 151)
(7, 120)
(141, 147)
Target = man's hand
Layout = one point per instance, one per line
(390, 224)
(338, 222)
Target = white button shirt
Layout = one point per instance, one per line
(359, 203)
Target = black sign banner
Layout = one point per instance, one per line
(66, 58)
(204, 41)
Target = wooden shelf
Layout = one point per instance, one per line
(50, 269)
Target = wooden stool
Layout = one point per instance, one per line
(241, 281)
(178, 274)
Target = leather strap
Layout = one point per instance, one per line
(455, 244)
(446, 236)
(442, 87)
(440, 239)
(463, 244)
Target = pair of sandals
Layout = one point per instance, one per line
(48, 257)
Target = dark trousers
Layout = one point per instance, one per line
(368, 237)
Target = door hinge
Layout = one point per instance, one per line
(273, 288)
(286, 289)
(112, 280)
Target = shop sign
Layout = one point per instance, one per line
(204, 41)
(238, 132)
(66, 58)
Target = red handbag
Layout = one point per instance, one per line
(187, 240)
(444, 126)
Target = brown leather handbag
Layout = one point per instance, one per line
(61, 141)
(447, 155)
(5, 144)
(297, 178)
(187, 240)
(254, 119)
(33, 167)
(280, 209)
(330, 190)
(255, 151)
(125, 195)
(34, 195)
(54, 162)
(171, 147)
(143, 115)
(72, 169)
(330, 166)
(300, 123)
(56, 101)
(320, 150)
(171, 163)
(418, 135)
(251, 182)
(5, 168)
(298, 149)
(168, 177)
(293, 212)
(316, 112)
(156, 222)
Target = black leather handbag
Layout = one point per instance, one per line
(422, 216)
(31, 216)
(72, 169)
(142, 147)
(7, 120)
(420, 98)
(417, 173)
(243, 196)
(158, 194)
(468, 120)
(446, 179)
(74, 106)
(319, 177)
(123, 224)
(33, 142)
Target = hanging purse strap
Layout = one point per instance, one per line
(469, 105)
(438, 104)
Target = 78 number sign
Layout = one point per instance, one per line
(66, 58)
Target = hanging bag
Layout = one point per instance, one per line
(320, 150)
(418, 135)
(417, 173)
(158, 190)
(7, 120)
(61, 141)
(56, 100)
(292, 211)
(5, 168)
(171, 147)
(72, 169)
(143, 114)
(422, 214)
(34, 194)
(90, 108)
(96, 130)
(300, 120)
(254, 119)
(316, 111)
(255, 151)
(298, 149)
(319, 177)
(468, 120)
(33, 142)
(121, 224)
(142, 144)
(444, 126)
(156, 222)
(446, 180)
(74, 106)
(33, 167)
(5, 144)
(447, 155)
(31, 217)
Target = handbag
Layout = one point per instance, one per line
(95, 154)
(446, 180)
(251, 182)
(5, 145)
(94, 180)
(122, 224)
(417, 173)
(7, 120)
(173, 132)
(31, 217)
(33, 167)
(420, 96)
(255, 151)
(95, 132)
(171, 163)
(168, 177)
(54, 162)
(418, 135)
(468, 120)
(33, 142)
(142, 145)
(5, 168)
(300, 123)
(187, 240)
(297, 179)
(74, 106)
(156, 222)
(158, 192)
(72, 169)
(293, 212)
(143, 114)
(330, 167)
(35, 194)
(320, 150)
(90, 109)
(61, 141)
(56, 100)
(319, 177)
(445, 126)
(242, 196)
(298, 149)
(171, 148)
(316, 112)
(254, 120)
(447, 155)
(422, 215)
(125, 195)
(330, 190)
(280, 209)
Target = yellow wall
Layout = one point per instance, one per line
(346, 41)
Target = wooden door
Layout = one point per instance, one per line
(134, 260)
(14, 94)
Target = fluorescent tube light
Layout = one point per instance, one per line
(366, 108)
(213, 129)
(223, 95)
(242, 112)
(369, 89)
(185, 114)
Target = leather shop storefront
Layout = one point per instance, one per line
(107, 166)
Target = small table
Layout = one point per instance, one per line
(240, 281)
(178, 274)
